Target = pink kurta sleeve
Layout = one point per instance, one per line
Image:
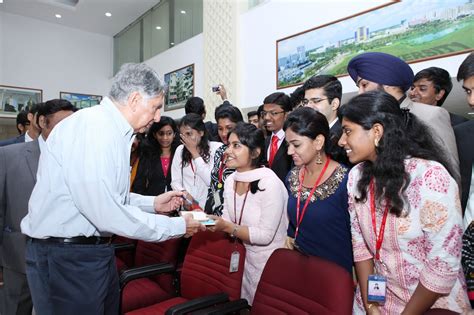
(272, 207)
(441, 222)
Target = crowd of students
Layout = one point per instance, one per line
(371, 185)
(381, 185)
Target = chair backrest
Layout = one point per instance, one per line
(148, 253)
(151, 253)
(206, 266)
(293, 283)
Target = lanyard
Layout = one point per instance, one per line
(379, 237)
(194, 172)
(243, 205)
(221, 172)
(300, 214)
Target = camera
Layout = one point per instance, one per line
(216, 88)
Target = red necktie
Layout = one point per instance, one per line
(273, 150)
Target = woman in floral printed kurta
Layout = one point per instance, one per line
(421, 248)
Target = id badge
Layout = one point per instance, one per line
(234, 262)
(217, 199)
(376, 287)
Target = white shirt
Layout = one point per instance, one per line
(27, 137)
(197, 181)
(83, 183)
(281, 137)
(332, 123)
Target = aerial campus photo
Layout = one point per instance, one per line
(410, 29)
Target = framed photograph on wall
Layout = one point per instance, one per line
(180, 87)
(414, 30)
(81, 100)
(14, 99)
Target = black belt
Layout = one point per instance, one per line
(81, 240)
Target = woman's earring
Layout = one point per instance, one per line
(376, 142)
(319, 161)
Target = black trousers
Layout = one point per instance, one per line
(72, 279)
(16, 294)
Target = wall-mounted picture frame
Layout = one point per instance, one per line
(81, 100)
(414, 30)
(14, 99)
(180, 87)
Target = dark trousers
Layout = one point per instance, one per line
(16, 294)
(72, 279)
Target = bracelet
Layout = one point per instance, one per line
(236, 228)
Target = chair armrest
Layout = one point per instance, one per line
(120, 247)
(197, 304)
(225, 308)
(145, 271)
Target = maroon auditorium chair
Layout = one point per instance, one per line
(293, 283)
(205, 277)
(146, 287)
(124, 251)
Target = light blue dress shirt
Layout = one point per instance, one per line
(83, 183)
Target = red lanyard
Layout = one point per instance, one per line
(379, 237)
(299, 218)
(243, 205)
(221, 171)
(194, 172)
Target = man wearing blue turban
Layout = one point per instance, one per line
(375, 70)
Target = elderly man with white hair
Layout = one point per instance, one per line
(82, 197)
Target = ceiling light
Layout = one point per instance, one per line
(1, 1)
(172, 44)
(108, 14)
(58, 16)
(183, 12)
(158, 27)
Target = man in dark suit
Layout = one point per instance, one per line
(324, 93)
(18, 167)
(464, 134)
(431, 86)
(275, 109)
(26, 126)
(21, 125)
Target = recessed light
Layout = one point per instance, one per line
(58, 16)
(183, 12)
(158, 27)
(108, 14)
(172, 44)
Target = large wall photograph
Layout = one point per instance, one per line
(180, 87)
(414, 30)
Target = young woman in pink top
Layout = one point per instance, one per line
(405, 211)
(254, 203)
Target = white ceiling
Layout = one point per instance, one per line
(87, 15)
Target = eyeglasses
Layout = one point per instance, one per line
(313, 100)
(272, 114)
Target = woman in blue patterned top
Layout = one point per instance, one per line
(317, 193)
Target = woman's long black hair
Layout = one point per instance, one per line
(404, 136)
(253, 138)
(194, 121)
(151, 145)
